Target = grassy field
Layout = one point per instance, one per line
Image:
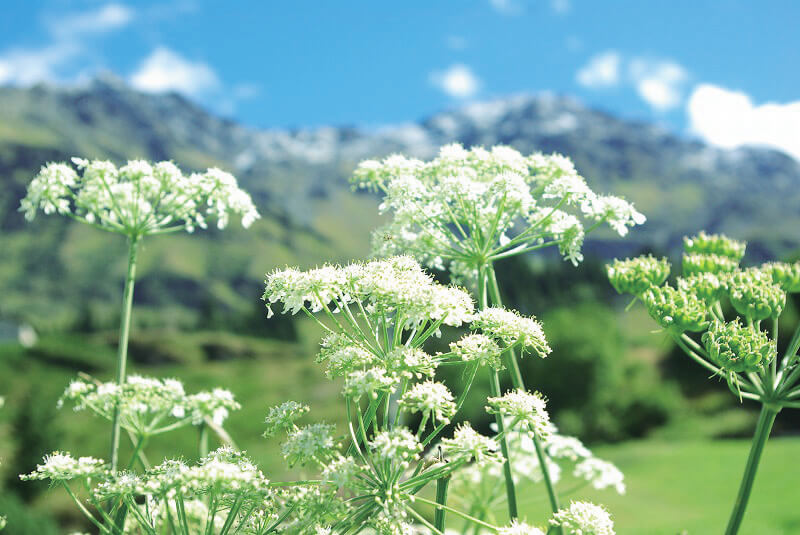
(689, 487)
(674, 486)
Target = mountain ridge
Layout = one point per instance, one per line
(298, 178)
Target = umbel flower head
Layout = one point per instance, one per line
(519, 528)
(60, 466)
(139, 198)
(707, 286)
(738, 348)
(754, 295)
(636, 275)
(523, 407)
(583, 518)
(787, 276)
(509, 329)
(467, 207)
(676, 310)
(694, 263)
(716, 244)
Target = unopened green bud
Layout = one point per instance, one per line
(755, 296)
(787, 276)
(636, 275)
(676, 310)
(716, 244)
(738, 348)
(694, 263)
(707, 286)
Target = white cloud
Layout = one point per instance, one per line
(104, 19)
(67, 43)
(729, 119)
(165, 70)
(658, 82)
(603, 70)
(457, 81)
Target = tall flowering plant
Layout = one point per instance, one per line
(378, 317)
(725, 318)
(467, 209)
(137, 200)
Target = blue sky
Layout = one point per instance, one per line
(725, 71)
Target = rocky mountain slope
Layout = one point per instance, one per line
(299, 180)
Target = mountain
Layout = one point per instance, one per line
(298, 178)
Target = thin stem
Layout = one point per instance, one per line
(202, 441)
(455, 512)
(441, 498)
(763, 428)
(545, 472)
(122, 348)
(511, 493)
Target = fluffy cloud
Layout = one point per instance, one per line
(658, 82)
(67, 43)
(165, 70)
(603, 70)
(101, 20)
(457, 81)
(729, 119)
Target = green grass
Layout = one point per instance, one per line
(689, 488)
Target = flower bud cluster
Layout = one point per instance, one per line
(636, 275)
(707, 286)
(676, 310)
(738, 348)
(139, 198)
(787, 276)
(714, 244)
(755, 296)
(694, 263)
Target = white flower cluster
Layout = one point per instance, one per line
(398, 445)
(312, 442)
(60, 466)
(223, 471)
(395, 284)
(476, 347)
(143, 401)
(510, 329)
(283, 416)
(466, 203)
(431, 399)
(519, 528)
(139, 198)
(467, 444)
(522, 407)
(584, 518)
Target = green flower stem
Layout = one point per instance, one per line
(202, 440)
(454, 511)
(441, 498)
(540, 454)
(494, 386)
(518, 382)
(122, 348)
(763, 428)
(511, 493)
